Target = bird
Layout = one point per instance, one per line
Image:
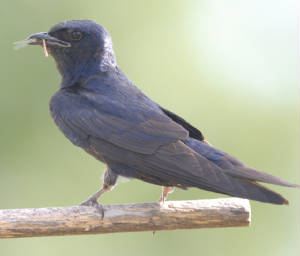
(100, 110)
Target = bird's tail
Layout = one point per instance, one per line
(250, 190)
(258, 192)
(255, 175)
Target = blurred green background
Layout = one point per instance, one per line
(228, 67)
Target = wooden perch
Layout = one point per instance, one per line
(75, 220)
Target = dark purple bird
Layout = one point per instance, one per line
(99, 109)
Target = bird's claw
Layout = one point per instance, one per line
(161, 200)
(94, 203)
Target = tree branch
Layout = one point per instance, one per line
(75, 220)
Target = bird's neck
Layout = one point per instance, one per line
(76, 72)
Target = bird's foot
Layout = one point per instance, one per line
(164, 194)
(161, 200)
(91, 202)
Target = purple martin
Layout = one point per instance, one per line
(100, 110)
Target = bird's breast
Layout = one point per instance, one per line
(63, 105)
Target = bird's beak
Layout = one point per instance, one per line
(50, 40)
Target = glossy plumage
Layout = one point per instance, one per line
(100, 110)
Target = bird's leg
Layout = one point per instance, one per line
(93, 200)
(110, 179)
(164, 194)
(163, 197)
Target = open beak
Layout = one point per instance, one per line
(50, 40)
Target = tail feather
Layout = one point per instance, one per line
(258, 192)
(232, 166)
(250, 190)
(255, 175)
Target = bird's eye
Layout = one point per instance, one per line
(76, 35)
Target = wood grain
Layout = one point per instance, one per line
(75, 220)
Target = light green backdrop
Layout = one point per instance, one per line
(228, 67)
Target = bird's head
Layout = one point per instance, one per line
(79, 47)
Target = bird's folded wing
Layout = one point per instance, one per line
(150, 132)
(133, 127)
(139, 131)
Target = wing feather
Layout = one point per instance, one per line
(140, 130)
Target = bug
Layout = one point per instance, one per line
(21, 44)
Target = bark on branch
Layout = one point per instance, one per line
(75, 220)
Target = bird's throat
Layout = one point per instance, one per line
(76, 71)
